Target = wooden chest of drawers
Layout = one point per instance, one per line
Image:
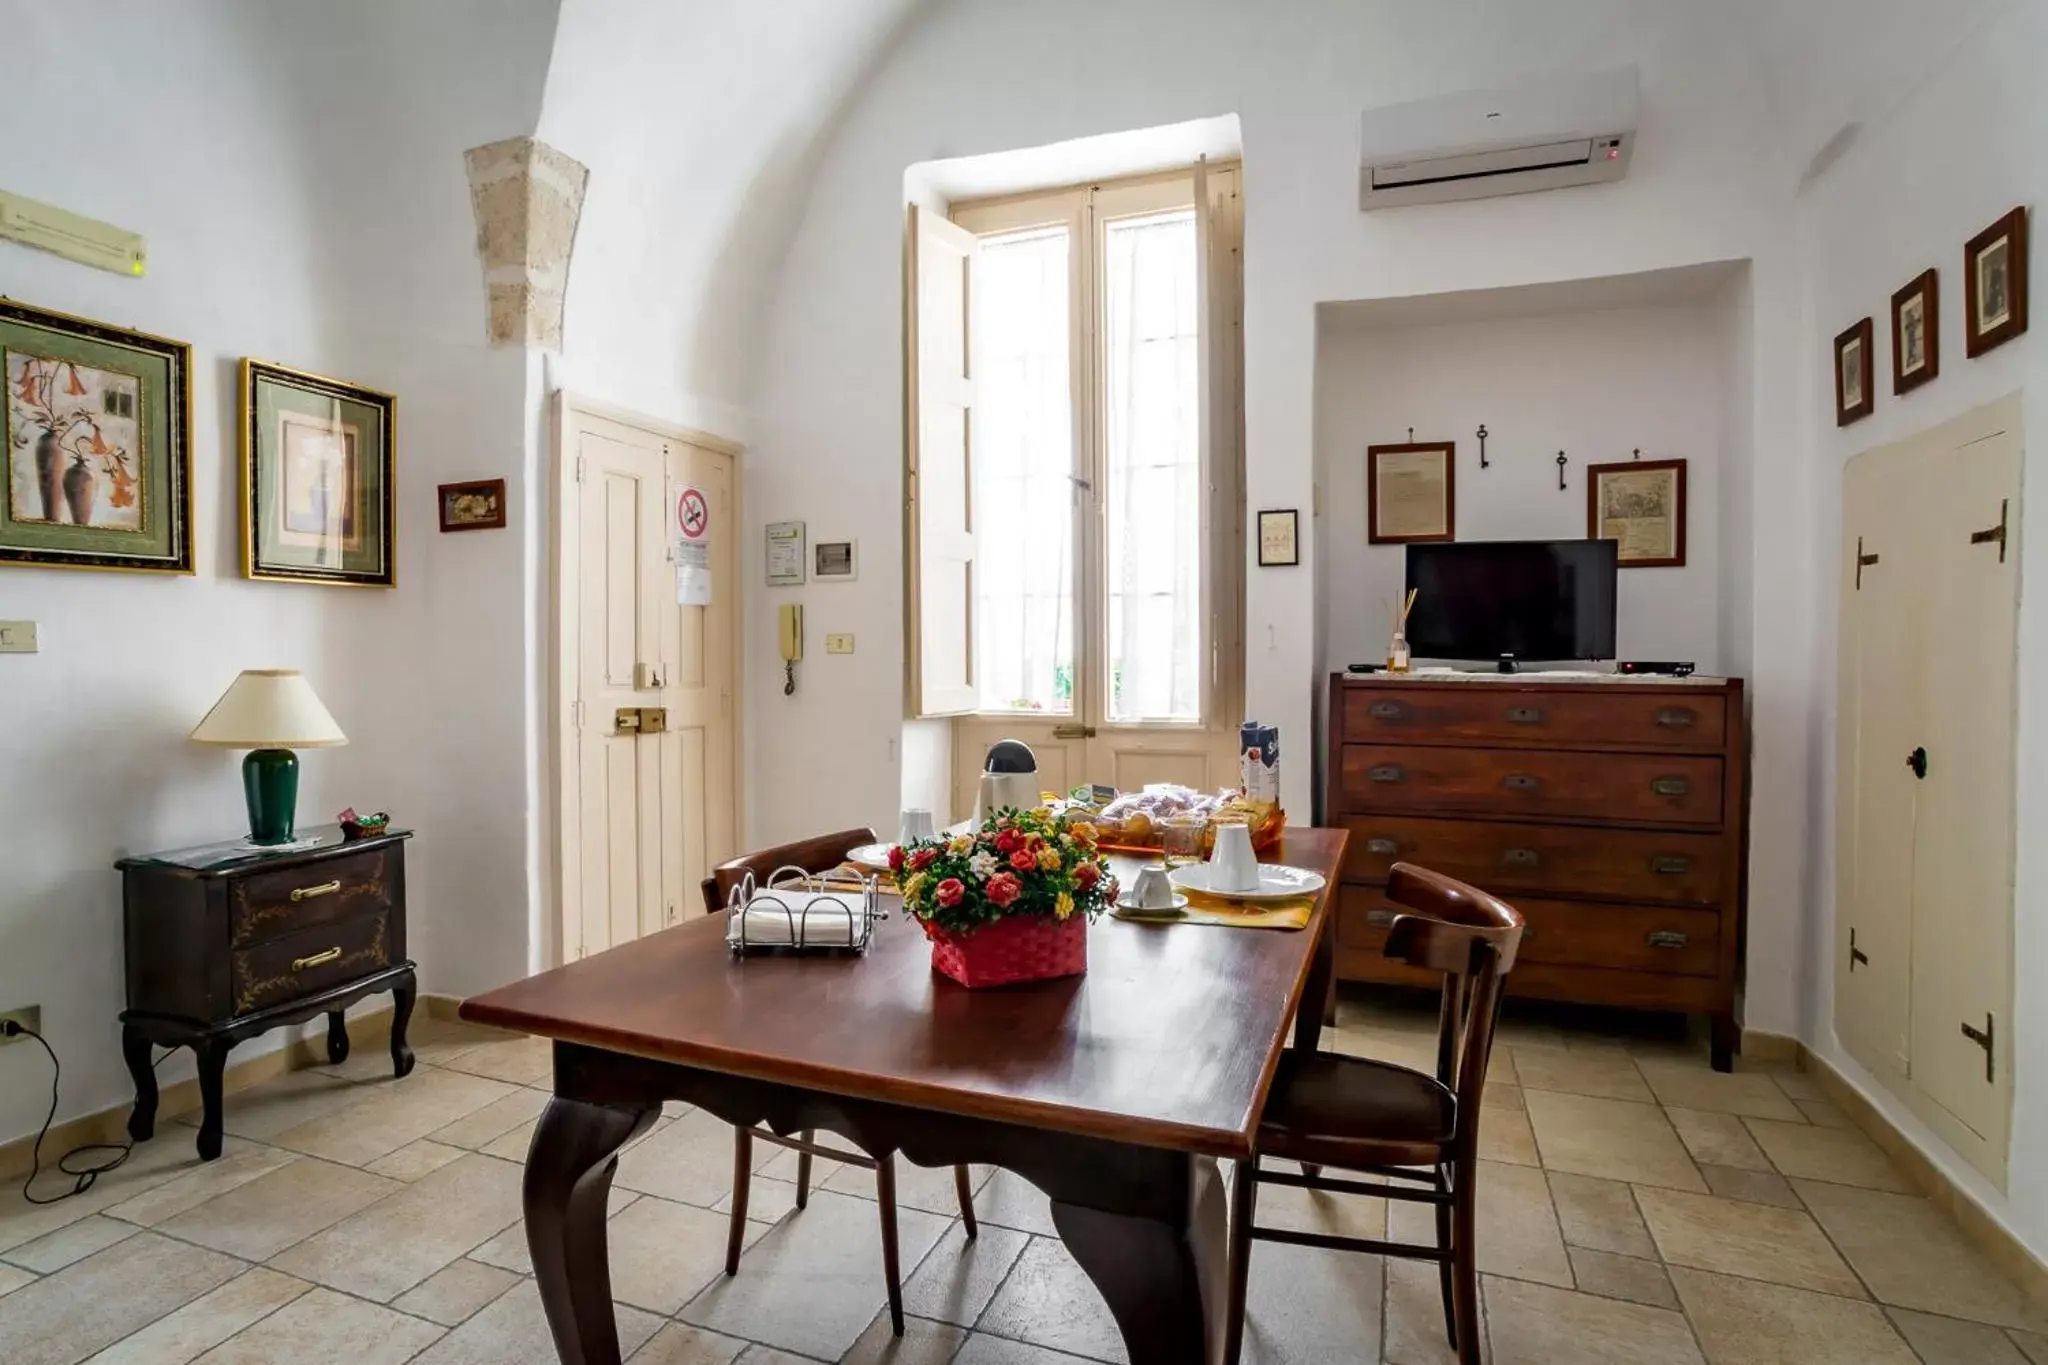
(1610, 813)
(226, 943)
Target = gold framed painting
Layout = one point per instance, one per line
(1640, 505)
(95, 445)
(318, 479)
(1411, 493)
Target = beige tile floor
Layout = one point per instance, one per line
(1635, 1208)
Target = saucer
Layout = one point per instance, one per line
(1173, 911)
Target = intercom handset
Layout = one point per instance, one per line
(790, 628)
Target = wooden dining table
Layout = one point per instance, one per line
(1115, 1092)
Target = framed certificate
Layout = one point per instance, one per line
(1411, 493)
(1279, 543)
(1640, 505)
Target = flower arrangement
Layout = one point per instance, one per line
(1010, 901)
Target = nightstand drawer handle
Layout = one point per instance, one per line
(1671, 786)
(1666, 938)
(306, 893)
(1379, 917)
(1386, 710)
(1677, 717)
(299, 964)
(1671, 865)
(1518, 857)
(1524, 715)
(1382, 848)
(1388, 772)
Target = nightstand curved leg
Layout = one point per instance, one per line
(337, 1037)
(213, 1061)
(135, 1051)
(402, 996)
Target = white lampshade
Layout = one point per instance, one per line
(269, 708)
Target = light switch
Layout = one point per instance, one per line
(839, 644)
(19, 637)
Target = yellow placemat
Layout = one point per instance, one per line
(1288, 914)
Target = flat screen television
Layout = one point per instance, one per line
(1533, 599)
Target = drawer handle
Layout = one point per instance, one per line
(1525, 715)
(299, 964)
(1386, 710)
(1385, 848)
(1388, 772)
(1671, 786)
(1521, 782)
(1379, 917)
(1518, 857)
(1671, 866)
(1666, 938)
(1677, 717)
(306, 893)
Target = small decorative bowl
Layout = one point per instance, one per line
(363, 826)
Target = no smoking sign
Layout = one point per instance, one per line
(693, 515)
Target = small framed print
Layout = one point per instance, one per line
(318, 466)
(1855, 395)
(476, 506)
(1411, 493)
(1279, 538)
(835, 560)
(1995, 284)
(1640, 505)
(1916, 332)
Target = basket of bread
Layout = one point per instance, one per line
(1131, 822)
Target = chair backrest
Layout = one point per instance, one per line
(1471, 937)
(819, 854)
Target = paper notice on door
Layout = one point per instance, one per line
(693, 573)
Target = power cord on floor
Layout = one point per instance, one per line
(83, 1178)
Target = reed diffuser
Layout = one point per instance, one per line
(1397, 648)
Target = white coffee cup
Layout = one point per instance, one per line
(1151, 891)
(917, 826)
(1232, 865)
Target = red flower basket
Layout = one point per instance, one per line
(1007, 951)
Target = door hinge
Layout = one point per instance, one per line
(1995, 533)
(1863, 561)
(1857, 957)
(576, 714)
(1985, 1039)
(582, 467)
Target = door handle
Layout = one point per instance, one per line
(1388, 772)
(1386, 710)
(1521, 782)
(1677, 717)
(1986, 1039)
(1917, 761)
(1525, 715)
(1666, 938)
(1857, 957)
(1671, 865)
(1671, 786)
(1383, 848)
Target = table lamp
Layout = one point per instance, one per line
(270, 712)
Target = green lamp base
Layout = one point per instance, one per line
(270, 781)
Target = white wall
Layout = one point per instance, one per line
(312, 212)
(1596, 384)
(978, 76)
(1957, 152)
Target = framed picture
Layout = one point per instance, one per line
(95, 445)
(1641, 505)
(835, 560)
(1411, 493)
(477, 506)
(1855, 395)
(1279, 538)
(1916, 332)
(317, 479)
(1995, 284)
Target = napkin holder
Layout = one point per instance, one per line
(801, 912)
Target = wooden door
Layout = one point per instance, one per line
(701, 654)
(1966, 504)
(1877, 721)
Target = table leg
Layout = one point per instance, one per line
(135, 1050)
(1318, 995)
(568, 1178)
(402, 996)
(1165, 1281)
(213, 1062)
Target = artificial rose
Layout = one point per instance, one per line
(1062, 906)
(949, 892)
(922, 859)
(1008, 841)
(1048, 859)
(1023, 860)
(1003, 888)
(1086, 875)
(896, 858)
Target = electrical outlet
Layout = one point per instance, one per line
(17, 637)
(29, 1017)
(839, 644)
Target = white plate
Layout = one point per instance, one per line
(874, 857)
(1173, 911)
(1277, 882)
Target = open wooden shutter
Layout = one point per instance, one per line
(1219, 250)
(938, 468)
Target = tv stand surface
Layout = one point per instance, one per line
(1610, 810)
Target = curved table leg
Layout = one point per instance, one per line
(1165, 1282)
(568, 1177)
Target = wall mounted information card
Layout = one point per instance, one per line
(693, 549)
(785, 554)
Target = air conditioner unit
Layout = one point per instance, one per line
(1544, 135)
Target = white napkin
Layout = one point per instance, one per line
(820, 919)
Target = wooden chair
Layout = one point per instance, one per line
(1355, 1114)
(821, 854)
